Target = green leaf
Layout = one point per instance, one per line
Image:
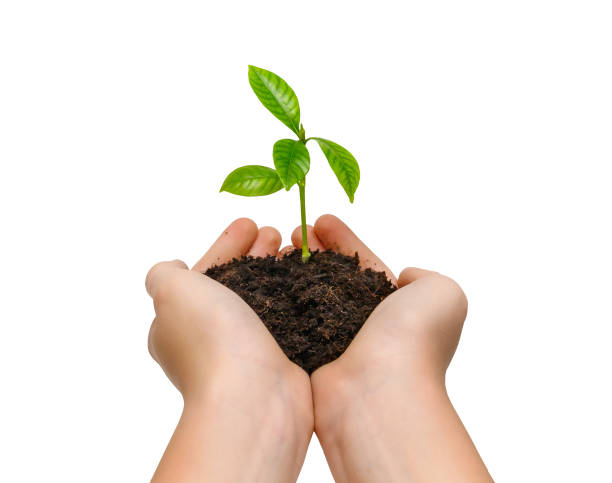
(252, 181)
(276, 95)
(343, 164)
(292, 161)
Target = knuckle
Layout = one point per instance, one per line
(162, 277)
(151, 338)
(167, 290)
(456, 293)
(152, 273)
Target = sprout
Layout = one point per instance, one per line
(291, 156)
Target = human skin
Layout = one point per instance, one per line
(381, 410)
(248, 414)
(382, 413)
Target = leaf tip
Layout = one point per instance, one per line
(225, 184)
(253, 69)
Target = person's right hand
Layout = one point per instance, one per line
(381, 409)
(248, 408)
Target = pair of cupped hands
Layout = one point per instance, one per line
(233, 375)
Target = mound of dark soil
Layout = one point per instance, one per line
(313, 310)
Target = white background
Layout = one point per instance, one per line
(483, 130)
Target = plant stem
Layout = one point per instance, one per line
(305, 251)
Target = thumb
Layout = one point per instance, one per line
(160, 273)
(412, 274)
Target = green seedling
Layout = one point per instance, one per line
(291, 157)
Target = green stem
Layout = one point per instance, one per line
(305, 251)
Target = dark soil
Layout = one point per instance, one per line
(313, 310)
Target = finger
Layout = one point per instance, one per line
(313, 241)
(159, 272)
(285, 251)
(435, 293)
(267, 243)
(335, 235)
(150, 339)
(235, 241)
(411, 274)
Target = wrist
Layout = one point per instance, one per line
(223, 436)
(352, 402)
(362, 422)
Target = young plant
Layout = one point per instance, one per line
(291, 157)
